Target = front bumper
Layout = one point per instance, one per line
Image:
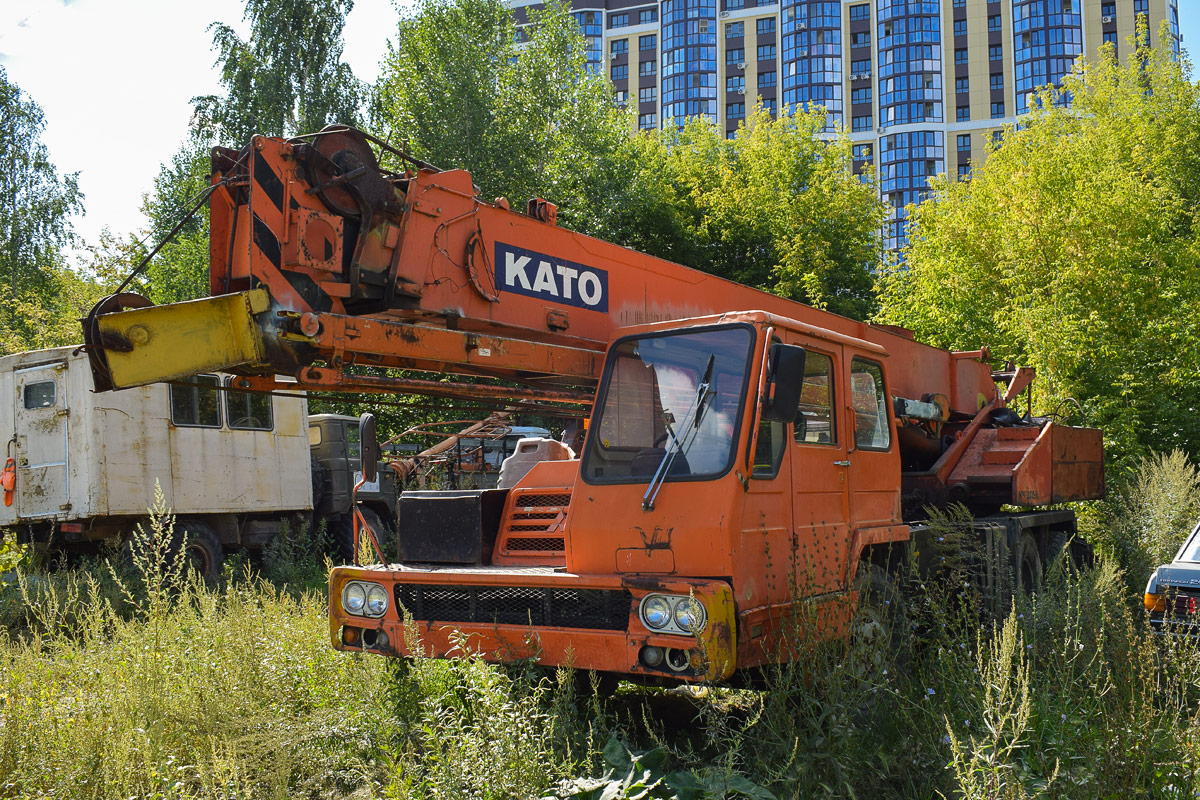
(554, 617)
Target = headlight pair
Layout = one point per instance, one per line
(673, 613)
(364, 599)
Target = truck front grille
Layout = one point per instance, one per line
(597, 609)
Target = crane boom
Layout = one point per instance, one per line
(366, 267)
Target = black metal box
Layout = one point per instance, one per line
(450, 527)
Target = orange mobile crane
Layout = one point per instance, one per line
(745, 454)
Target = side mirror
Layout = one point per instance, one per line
(368, 447)
(785, 381)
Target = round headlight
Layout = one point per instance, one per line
(376, 600)
(656, 611)
(690, 615)
(354, 597)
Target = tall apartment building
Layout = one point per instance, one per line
(920, 85)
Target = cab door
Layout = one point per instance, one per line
(41, 441)
(874, 471)
(820, 481)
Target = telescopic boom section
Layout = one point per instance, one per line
(320, 255)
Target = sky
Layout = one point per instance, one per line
(114, 79)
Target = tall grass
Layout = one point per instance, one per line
(140, 682)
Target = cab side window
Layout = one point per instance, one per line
(814, 423)
(868, 398)
(195, 403)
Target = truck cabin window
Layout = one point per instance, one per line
(40, 395)
(814, 418)
(869, 400)
(653, 406)
(353, 441)
(247, 411)
(194, 402)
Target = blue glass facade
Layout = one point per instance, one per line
(909, 51)
(689, 60)
(906, 162)
(1047, 37)
(591, 24)
(811, 36)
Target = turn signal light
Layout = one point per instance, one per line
(1155, 602)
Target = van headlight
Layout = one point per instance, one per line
(364, 599)
(671, 613)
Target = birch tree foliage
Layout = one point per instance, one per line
(36, 206)
(1074, 249)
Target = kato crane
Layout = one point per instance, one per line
(745, 454)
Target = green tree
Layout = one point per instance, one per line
(287, 79)
(525, 120)
(1074, 249)
(777, 207)
(36, 206)
(180, 270)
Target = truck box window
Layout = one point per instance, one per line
(40, 395)
(814, 419)
(867, 396)
(195, 403)
(247, 411)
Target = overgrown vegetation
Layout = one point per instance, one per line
(126, 678)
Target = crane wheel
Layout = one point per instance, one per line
(1027, 565)
(879, 630)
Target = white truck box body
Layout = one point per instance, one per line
(84, 455)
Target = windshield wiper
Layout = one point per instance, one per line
(680, 444)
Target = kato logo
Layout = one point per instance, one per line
(538, 275)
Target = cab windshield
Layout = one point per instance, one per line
(654, 401)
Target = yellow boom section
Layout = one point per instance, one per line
(183, 339)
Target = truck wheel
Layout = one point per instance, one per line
(1027, 565)
(202, 550)
(341, 533)
(878, 632)
(342, 529)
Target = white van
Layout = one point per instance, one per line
(233, 466)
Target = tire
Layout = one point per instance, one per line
(879, 629)
(341, 533)
(202, 550)
(342, 530)
(1027, 566)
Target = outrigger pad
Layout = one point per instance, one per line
(450, 527)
